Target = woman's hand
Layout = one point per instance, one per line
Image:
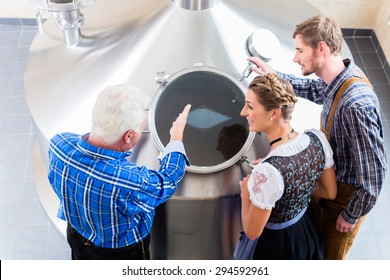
(256, 161)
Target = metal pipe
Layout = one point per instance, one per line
(70, 22)
(67, 16)
(196, 5)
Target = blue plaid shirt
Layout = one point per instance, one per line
(356, 137)
(106, 198)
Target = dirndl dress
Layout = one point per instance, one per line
(284, 182)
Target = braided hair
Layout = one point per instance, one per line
(274, 92)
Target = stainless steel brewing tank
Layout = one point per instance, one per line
(140, 42)
(202, 221)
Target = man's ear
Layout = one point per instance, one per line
(128, 135)
(323, 48)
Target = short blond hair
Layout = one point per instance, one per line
(320, 28)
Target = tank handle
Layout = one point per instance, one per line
(244, 158)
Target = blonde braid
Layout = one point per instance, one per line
(275, 92)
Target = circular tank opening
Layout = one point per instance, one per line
(216, 135)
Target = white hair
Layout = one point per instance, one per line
(117, 109)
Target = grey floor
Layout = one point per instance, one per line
(25, 230)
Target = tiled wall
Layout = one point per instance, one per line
(18, 21)
(364, 33)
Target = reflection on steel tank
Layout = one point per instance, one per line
(178, 52)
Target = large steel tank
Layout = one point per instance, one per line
(178, 52)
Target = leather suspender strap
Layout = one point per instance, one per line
(364, 78)
(336, 100)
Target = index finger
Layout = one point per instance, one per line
(186, 110)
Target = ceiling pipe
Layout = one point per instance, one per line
(196, 5)
(67, 16)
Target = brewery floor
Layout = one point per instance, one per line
(26, 233)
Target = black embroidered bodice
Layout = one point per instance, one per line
(299, 172)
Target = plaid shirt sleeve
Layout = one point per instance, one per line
(362, 127)
(310, 89)
(157, 186)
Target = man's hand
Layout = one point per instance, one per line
(262, 67)
(179, 124)
(342, 225)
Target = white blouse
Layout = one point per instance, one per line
(266, 183)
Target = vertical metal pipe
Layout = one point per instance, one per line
(70, 23)
(67, 16)
(196, 5)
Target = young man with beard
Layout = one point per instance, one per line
(354, 128)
